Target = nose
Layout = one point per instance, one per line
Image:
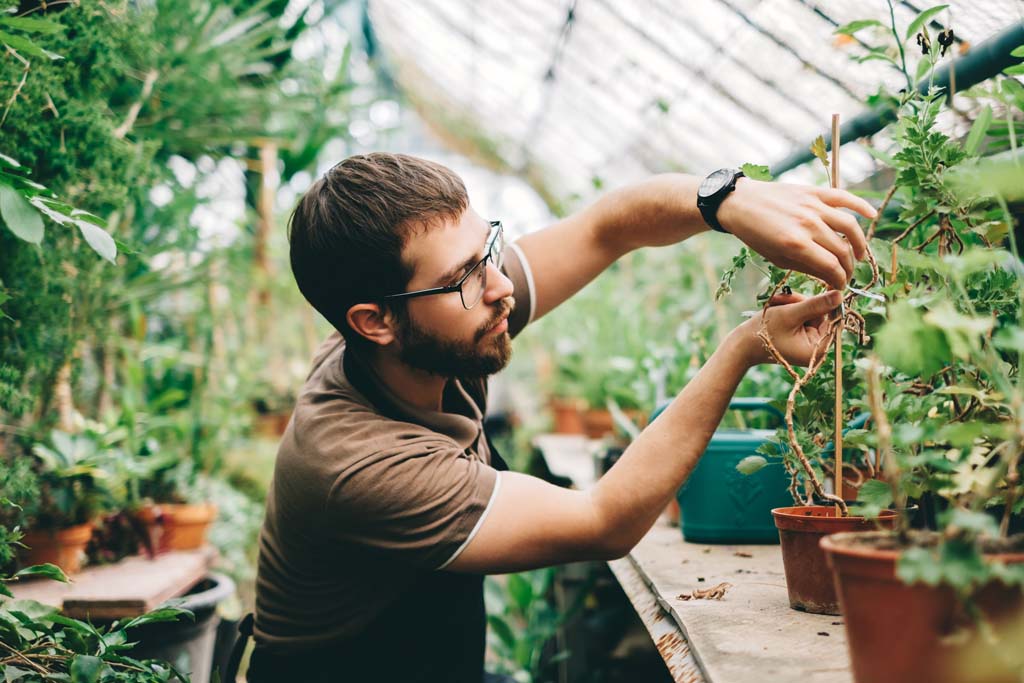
(498, 285)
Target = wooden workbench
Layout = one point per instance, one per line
(751, 635)
(127, 588)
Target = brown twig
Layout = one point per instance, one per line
(881, 209)
(915, 224)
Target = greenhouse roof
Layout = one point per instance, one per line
(583, 93)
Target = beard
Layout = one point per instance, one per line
(479, 357)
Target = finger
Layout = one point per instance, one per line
(781, 299)
(815, 307)
(816, 261)
(840, 248)
(846, 224)
(842, 198)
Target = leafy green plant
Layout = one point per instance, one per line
(936, 363)
(522, 621)
(72, 482)
(39, 644)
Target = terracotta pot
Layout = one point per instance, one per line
(62, 547)
(567, 414)
(271, 425)
(801, 528)
(185, 525)
(898, 633)
(598, 422)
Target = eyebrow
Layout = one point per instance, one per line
(451, 274)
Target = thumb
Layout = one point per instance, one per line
(817, 306)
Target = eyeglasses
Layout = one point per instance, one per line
(472, 285)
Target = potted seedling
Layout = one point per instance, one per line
(72, 492)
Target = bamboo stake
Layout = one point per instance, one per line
(838, 438)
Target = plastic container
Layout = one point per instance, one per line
(186, 644)
(719, 504)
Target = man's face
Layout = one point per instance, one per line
(437, 334)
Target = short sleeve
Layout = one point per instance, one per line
(517, 269)
(419, 501)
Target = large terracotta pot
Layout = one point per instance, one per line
(801, 529)
(898, 633)
(186, 525)
(62, 547)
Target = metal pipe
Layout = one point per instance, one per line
(984, 61)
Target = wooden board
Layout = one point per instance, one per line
(750, 636)
(128, 588)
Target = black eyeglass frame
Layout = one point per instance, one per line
(497, 239)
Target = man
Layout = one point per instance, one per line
(388, 503)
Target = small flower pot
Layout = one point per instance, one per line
(186, 525)
(567, 414)
(801, 529)
(62, 547)
(599, 423)
(898, 632)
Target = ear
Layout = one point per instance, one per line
(371, 322)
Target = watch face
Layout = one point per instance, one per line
(715, 182)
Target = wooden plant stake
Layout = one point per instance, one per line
(838, 439)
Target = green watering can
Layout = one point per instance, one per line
(719, 504)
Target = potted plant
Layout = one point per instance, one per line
(178, 505)
(939, 372)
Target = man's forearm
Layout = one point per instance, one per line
(628, 499)
(659, 211)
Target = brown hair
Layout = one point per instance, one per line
(348, 230)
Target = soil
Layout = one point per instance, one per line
(880, 540)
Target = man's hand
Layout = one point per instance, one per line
(798, 227)
(796, 325)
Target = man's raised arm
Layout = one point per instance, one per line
(794, 226)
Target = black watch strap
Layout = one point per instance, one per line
(709, 204)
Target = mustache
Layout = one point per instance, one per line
(504, 309)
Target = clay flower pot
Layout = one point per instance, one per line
(898, 633)
(62, 547)
(567, 414)
(801, 529)
(154, 519)
(185, 525)
(599, 423)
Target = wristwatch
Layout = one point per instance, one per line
(713, 191)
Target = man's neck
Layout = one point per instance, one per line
(421, 389)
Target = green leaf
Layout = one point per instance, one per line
(819, 150)
(5, 591)
(501, 629)
(1017, 51)
(876, 493)
(521, 592)
(923, 17)
(978, 130)
(1015, 70)
(978, 523)
(910, 345)
(756, 172)
(159, 615)
(751, 464)
(31, 24)
(19, 44)
(86, 669)
(50, 571)
(963, 332)
(98, 238)
(21, 217)
(1009, 339)
(859, 25)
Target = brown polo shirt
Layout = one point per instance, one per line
(369, 492)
